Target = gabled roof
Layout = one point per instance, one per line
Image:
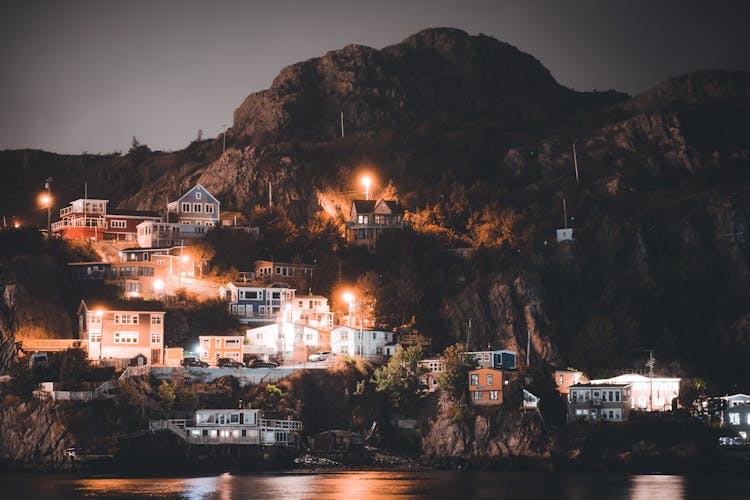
(94, 304)
(259, 284)
(391, 206)
(363, 206)
(203, 190)
(630, 378)
(599, 386)
(736, 396)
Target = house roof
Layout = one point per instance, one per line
(134, 213)
(394, 206)
(630, 378)
(364, 206)
(600, 385)
(96, 303)
(736, 396)
(258, 284)
(203, 190)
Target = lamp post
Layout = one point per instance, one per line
(48, 187)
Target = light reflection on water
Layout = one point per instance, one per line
(378, 485)
(657, 487)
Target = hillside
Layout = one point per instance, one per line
(477, 136)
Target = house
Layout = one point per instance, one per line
(500, 360)
(369, 344)
(196, 207)
(647, 393)
(564, 378)
(369, 218)
(89, 219)
(213, 347)
(606, 402)
(258, 302)
(89, 271)
(431, 369)
(736, 400)
(312, 310)
(290, 272)
(486, 386)
(151, 234)
(118, 331)
(737, 418)
(286, 341)
(530, 402)
(236, 221)
(336, 441)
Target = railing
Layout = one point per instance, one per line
(256, 435)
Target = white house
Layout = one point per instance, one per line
(288, 341)
(647, 393)
(153, 234)
(371, 344)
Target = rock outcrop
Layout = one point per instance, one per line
(491, 434)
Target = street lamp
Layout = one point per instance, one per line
(366, 181)
(349, 298)
(45, 200)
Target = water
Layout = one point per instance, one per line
(376, 485)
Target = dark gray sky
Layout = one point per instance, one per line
(88, 75)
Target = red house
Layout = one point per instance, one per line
(88, 219)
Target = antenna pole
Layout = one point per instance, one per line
(565, 214)
(342, 124)
(575, 162)
(270, 195)
(468, 335)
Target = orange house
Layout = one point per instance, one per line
(486, 386)
(565, 378)
(214, 347)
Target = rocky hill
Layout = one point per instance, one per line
(481, 134)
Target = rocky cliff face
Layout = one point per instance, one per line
(33, 437)
(489, 434)
(503, 311)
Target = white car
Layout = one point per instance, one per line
(319, 356)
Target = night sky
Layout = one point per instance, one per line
(88, 75)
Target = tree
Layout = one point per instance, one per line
(203, 252)
(455, 377)
(74, 366)
(134, 143)
(199, 135)
(399, 379)
(166, 394)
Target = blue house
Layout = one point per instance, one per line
(196, 207)
(259, 302)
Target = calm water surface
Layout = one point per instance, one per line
(382, 484)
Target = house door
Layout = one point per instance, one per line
(155, 356)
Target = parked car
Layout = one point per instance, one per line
(193, 363)
(319, 356)
(229, 363)
(259, 363)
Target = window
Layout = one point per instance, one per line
(186, 207)
(489, 379)
(126, 337)
(617, 396)
(126, 319)
(309, 337)
(95, 337)
(493, 395)
(232, 342)
(94, 319)
(474, 379)
(477, 395)
(734, 418)
(259, 336)
(275, 295)
(155, 338)
(118, 224)
(209, 208)
(217, 343)
(198, 195)
(363, 219)
(197, 208)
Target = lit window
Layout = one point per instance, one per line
(734, 418)
(474, 379)
(126, 319)
(126, 337)
(489, 379)
(95, 337)
(493, 395)
(477, 395)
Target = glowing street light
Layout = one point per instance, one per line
(349, 298)
(366, 181)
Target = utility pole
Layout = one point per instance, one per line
(468, 335)
(342, 124)
(575, 162)
(224, 139)
(565, 214)
(270, 195)
(528, 346)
